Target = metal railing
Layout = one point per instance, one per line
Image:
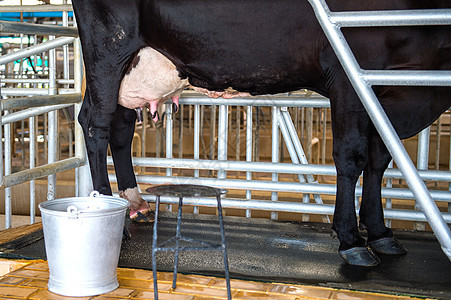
(363, 80)
(35, 104)
(249, 167)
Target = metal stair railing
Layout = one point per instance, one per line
(362, 81)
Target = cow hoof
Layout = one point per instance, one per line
(143, 217)
(360, 256)
(388, 245)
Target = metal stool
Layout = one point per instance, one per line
(181, 191)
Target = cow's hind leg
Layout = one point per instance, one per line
(350, 127)
(350, 153)
(121, 137)
(380, 238)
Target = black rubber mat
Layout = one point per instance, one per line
(287, 252)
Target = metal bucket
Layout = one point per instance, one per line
(82, 241)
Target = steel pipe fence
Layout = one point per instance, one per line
(363, 88)
(36, 8)
(45, 100)
(274, 168)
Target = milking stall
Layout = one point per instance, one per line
(242, 188)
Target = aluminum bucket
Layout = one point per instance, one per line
(82, 241)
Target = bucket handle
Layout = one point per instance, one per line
(94, 194)
(74, 212)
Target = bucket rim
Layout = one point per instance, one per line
(123, 205)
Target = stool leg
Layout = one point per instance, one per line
(177, 243)
(154, 249)
(224, 250)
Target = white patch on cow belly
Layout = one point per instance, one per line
(154, 79)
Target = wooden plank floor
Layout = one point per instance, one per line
(28, 280)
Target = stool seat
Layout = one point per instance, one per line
(185, 190)
(182, 191)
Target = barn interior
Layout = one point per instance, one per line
(277, 230)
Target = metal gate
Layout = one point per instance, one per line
(42, 98)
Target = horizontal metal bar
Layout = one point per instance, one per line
(391, 18)
(39, 101)
(31, 112)
(283, 206)
(280, 186)
(41, 171)
(36, 81)
(287, 168)
(407, 77)
(290, 101)
(36, 8)
(430, 175)
(36, 49)
(32, 91)
(38, 29)
(24, 91)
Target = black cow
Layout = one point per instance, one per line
(265, 47)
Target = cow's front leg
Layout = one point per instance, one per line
(121, 137)
(380, 238)
(96, 133)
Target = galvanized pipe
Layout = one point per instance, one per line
(292, 207)
(422, 164)
(39, 101)
(36, 81)
(406, 77)
(248, 152)
(38, 29)
(41, 171)
(33, 91)
(250, 166)
(33, 50)
(196, 136)
(8, 155)
(196, 143)
(280, 186)
(289, 101)
(36, 8)
(222, 137)
(293, 155)
(275, 155)
(291, 131)
(409, 17)
(26, 113)
(289, 143)
(33, 149)
(52, 126)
